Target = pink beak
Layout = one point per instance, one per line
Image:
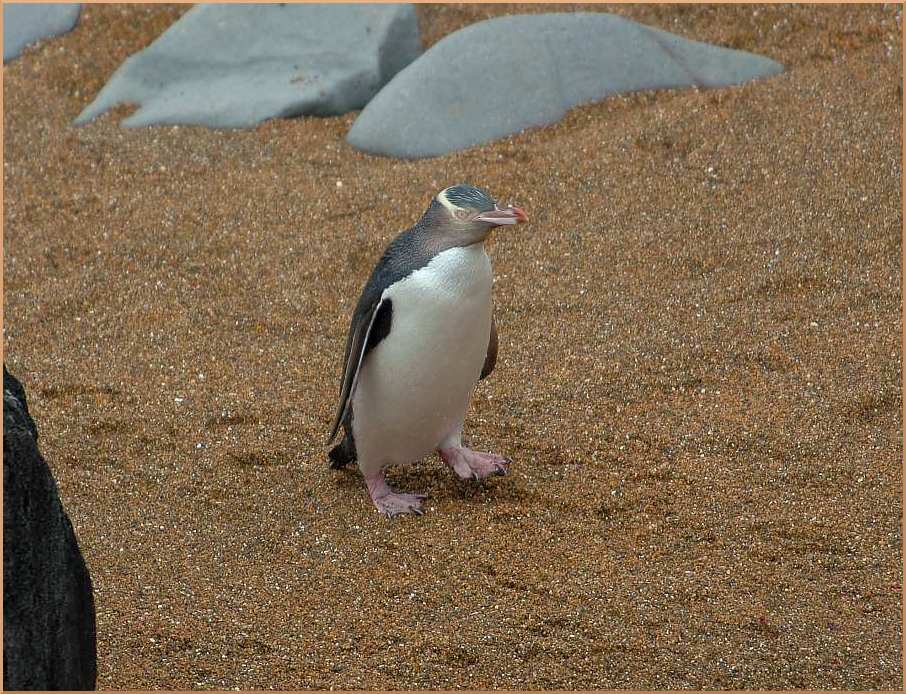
(507, 215)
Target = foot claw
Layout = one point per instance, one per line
(388, 502)
(471, 465)
(392, 504)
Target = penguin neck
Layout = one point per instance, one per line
(441, 231)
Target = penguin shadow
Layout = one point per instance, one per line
(348, 478)
(418, 478)
(258, 459)
(432, 477)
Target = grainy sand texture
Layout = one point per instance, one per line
(699, 378)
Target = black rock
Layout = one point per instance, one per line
(49, 637)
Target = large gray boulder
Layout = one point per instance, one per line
(49, 637)
(500, 76)
(26, 23)
(233, 66)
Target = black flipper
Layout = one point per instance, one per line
(344, 452)
(491, 357)
(356, 345)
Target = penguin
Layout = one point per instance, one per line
(421, 337)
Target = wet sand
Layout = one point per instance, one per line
(699, 378)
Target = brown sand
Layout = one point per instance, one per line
(700, 379)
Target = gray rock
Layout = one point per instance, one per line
(49, 637)
(24, 24)
(233, 66)
(500, 76)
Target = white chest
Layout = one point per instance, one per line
(458, 276)
(415, 385)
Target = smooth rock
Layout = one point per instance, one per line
(234, 66)
(26, 23)
(500, 76)
(49, 637)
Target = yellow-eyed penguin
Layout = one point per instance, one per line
(422, 335)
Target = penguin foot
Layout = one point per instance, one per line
(390, 503)
(397, 504)
(472, 465)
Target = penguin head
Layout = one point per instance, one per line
(471, 213)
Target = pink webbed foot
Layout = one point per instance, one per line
(395, 504)
(390, 503)
(472, 465)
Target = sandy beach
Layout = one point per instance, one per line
(699, 378)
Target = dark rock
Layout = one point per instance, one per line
(26, 23)
(500, 76)
(233, 66)
(49, 637)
